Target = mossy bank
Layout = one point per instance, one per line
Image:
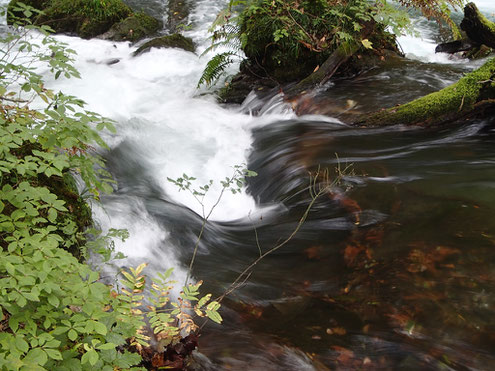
(88, 19)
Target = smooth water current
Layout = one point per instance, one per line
(393, 269)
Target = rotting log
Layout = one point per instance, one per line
(456, 46)
(471, 96)
(477, 27)
(325, 71)
(328, 69)
(480, 34)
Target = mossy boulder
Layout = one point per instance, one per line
(169, 41)
(82, 17)
(89, 18)
(134, 28)
(272, 45)
(291, 39)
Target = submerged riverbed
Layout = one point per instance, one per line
(393, 269)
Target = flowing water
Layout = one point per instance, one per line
(394, 267)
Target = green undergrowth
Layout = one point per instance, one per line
(452, 100)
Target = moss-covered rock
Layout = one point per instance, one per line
(90, 18)
(479, 52)
(169, 41)
(84, 18)
(134, 28)
(291, 39)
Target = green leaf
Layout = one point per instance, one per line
(53, 300)
(60, 330)
(214, 316)
(72, 334)
(91, 356)
(37, 356)
(100, 328)
(31, 296)
(54, 354)
(10, 268)
(52, 215)
(21, 344)
(106, 346)
(204, 300)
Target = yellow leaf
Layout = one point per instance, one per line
(367, 44)
(140, 268)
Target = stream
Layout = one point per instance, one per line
(394, 268)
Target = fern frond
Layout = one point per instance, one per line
(228, 35)
(215, 68)
(437, 10)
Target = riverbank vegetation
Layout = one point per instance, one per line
(310, 41)
(55, 313)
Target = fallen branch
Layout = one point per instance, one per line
(452, 103)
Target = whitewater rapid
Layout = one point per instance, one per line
(173, 128)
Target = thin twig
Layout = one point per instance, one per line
(255, 234)
(14, 100)
(316, 193)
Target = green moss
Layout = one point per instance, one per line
(169, 41)
(87, 18)
(285, 58)
(457, 98)
(291, 38)
(134, 28)
(486, 23)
